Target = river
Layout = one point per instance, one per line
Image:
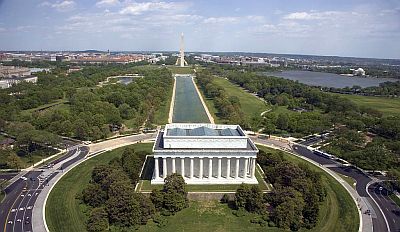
(187, 103)
(328, 79)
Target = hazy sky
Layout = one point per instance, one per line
(341, 27)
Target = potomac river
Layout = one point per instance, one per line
(328, 79)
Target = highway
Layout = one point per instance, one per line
(391, 210)
(16, 209)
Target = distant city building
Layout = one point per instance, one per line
(11, 71)
(8, 82)
(204, 154)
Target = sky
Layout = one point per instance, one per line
(368, 28)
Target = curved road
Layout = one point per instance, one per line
(16, 209)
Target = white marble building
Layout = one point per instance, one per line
(204, 154)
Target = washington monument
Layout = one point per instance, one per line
(181, 58)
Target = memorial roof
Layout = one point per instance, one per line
(203, 131)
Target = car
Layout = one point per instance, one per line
(27, 222)
(22, 195)
(23, 178)
(22, 208)
(380, 188)
(13, 210)
(29, 207)
(36, 194)
(19, 220)
(10, 222)
(29, 195)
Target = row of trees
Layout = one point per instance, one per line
(113, 202)
(228, 107)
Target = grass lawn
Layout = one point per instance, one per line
(395, 199)
(338, 212)
(349, 180)
(55, 103)
(207, 216)
(250, 105)
(388, 106)
(161, 115)
(180, 70)
(63, 211)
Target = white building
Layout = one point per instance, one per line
(204, 154)
(8, 82)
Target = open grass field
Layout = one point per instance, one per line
(46, 106)
(63, 211)
(161, 115)
(180, 70)
(388, 106)
(338, 212)
(250, 104)
(349, 180)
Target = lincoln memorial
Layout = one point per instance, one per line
(204, 154)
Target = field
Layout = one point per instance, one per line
(388, 106)
(64, 213)
(180, 70)
(161, 115)
(250, 104)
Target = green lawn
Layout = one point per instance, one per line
(250, 105)
(53, 104)
(63, 211)
(395, 199)
(180, 70)
(207, 216)
(338, 212)
(161, 115)
(349, 180)
(388, 106)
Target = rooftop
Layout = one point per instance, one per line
(203, 131)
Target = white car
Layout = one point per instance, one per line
(22, 195)
(10, 222)
(29, 195)
(29, 207)
(19, 220)
(36, 194)
(13, 210)
(20, 209)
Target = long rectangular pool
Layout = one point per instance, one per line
(187, 103)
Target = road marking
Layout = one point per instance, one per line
(23, 224)
(9, 211)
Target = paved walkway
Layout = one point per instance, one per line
(171, 107)
(365, 220)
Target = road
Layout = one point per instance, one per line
(361, 179)
(391, 210)
(16, 209)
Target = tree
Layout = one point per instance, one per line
(157, 197)
(98, 220)
(14, 161)
(94, 195)
(282, 121)
(176, 184)
(249, 197)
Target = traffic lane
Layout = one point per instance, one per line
(82, 154)
(13, 197)
(362, 180)
(66, 156)
(303, 151)
(28, 211)
(391, 210)
(25, 215)
(8, 176)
